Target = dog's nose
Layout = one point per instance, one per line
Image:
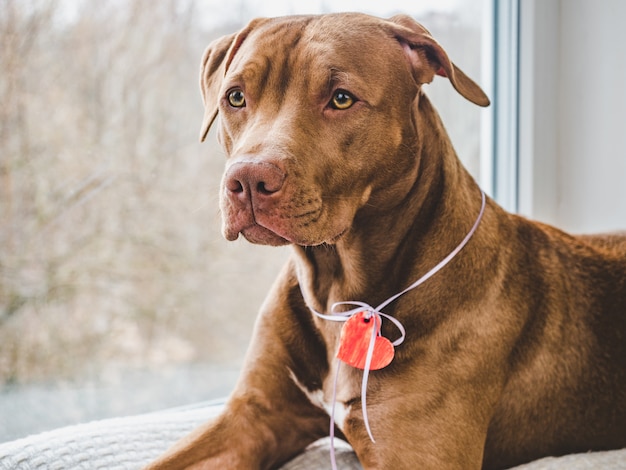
(256, 180)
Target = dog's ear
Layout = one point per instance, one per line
(215, 62)
(212, 70)
(427, 59)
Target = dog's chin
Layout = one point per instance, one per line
(260, 235)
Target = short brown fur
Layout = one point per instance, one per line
(514, 351)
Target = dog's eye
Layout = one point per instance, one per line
(342, 100)
(236, 98)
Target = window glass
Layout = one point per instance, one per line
(118, 294)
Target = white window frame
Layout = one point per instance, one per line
(538, 109)
(500, 144)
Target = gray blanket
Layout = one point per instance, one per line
(128, 443)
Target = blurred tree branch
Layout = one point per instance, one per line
(103, 253)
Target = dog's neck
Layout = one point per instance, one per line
(361, 264)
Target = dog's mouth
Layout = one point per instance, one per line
(277, 229)
(288, 216)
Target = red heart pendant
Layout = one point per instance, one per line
(354, 341)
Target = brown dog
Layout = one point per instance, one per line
(516, 349)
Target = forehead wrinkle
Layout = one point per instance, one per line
(252, 75)
(329, 66)
(351, 82)
(265, 58)
(338, 77)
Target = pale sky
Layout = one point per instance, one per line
(224, 12)
(376, 7)
(217, 11)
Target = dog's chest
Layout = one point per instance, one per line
(326, 397)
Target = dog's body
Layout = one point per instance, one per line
(515, 350)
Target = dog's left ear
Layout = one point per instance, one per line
(427, 59)
(212, 70)
(215, 61)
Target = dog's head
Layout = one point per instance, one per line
(317, 118)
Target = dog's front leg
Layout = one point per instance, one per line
(268, 419)
(251, 433)
(428, 444)
(423, 417)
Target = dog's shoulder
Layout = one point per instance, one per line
(612, 243)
